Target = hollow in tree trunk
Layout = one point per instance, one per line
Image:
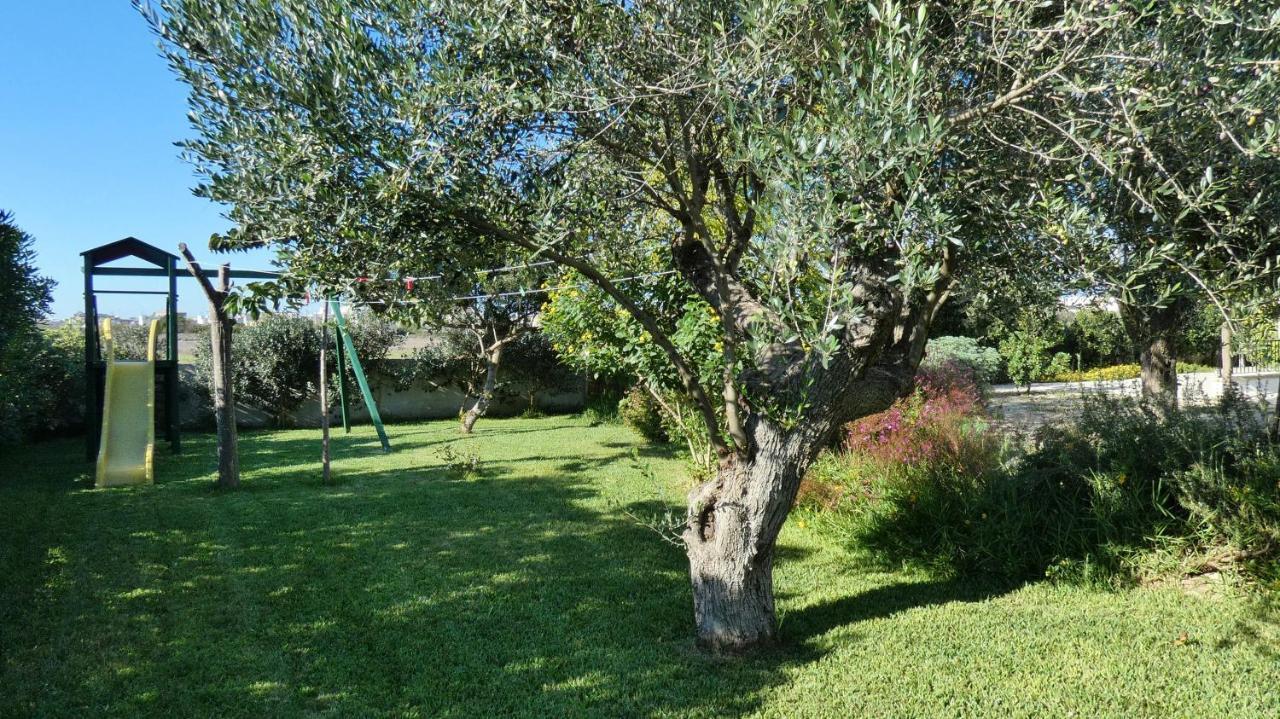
(480, 404)
(732, 530)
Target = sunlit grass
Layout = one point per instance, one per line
(401, 590)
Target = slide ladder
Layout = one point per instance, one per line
(128, 416)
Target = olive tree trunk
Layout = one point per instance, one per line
(731, 536)
(224, 401)
(1152, 331)
(734, 519)
(480, 404)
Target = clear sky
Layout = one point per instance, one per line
(89, 112)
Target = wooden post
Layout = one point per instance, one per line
(224, 403)
(324, 394)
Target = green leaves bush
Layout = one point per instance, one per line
(1119, 372)
(641, 412)
(276, 360)
(985, 362)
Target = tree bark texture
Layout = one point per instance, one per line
(731, 534)
(1227, 367)
(480, 404)
(734, 519)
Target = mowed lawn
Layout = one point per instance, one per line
(400, 590)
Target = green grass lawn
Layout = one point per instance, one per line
(400, 590)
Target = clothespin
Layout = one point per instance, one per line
(362, 279)
(408, 284)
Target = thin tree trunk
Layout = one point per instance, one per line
(223, 385)
(1275, 418)
(732, 529)
(324, 395)
(224, 401)
(492, 360)
(1227, 366)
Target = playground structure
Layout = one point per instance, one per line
(127, 450)
(120, 403)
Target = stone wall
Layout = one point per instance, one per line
(394, 404)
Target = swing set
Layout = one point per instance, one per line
(120, 406)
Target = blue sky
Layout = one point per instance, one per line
(89, 112)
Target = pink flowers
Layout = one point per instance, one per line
(928, 425)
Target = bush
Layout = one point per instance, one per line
(639, 411)
(1098, 337)
(984, 362)
(1119, 372)
(1102, 500)
(46, 398)
(931, 425)
(276, 361)
(1027, 358)
(23, 302)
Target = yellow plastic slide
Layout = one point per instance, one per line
(128, 416)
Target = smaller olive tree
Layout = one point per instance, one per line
(452, 361)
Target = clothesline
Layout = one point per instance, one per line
(519, 292)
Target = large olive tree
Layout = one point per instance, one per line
(820, 173)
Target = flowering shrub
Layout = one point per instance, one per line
(934, 423)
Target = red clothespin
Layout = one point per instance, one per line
(362, 279)
(408, 284)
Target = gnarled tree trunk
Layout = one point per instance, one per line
(480, 404)
(731, 534)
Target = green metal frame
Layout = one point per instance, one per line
(350, 350)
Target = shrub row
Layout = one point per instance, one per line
(937, 484)
(1119, 372)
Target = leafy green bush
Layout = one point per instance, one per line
(1100, 374)
(641, 412)
(23, 303)
(983, 361)
(46, 397)
(276, 360)
(1098, 338)
(1027, 357)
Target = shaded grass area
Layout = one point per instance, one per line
(401, 590)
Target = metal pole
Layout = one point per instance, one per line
(361, 380)
(92, 419)
(342, 384)
(324, 395)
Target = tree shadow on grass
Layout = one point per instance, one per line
(884, 601)
(514, 595)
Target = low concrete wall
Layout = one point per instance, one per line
(394, 404)
(1193, 387)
